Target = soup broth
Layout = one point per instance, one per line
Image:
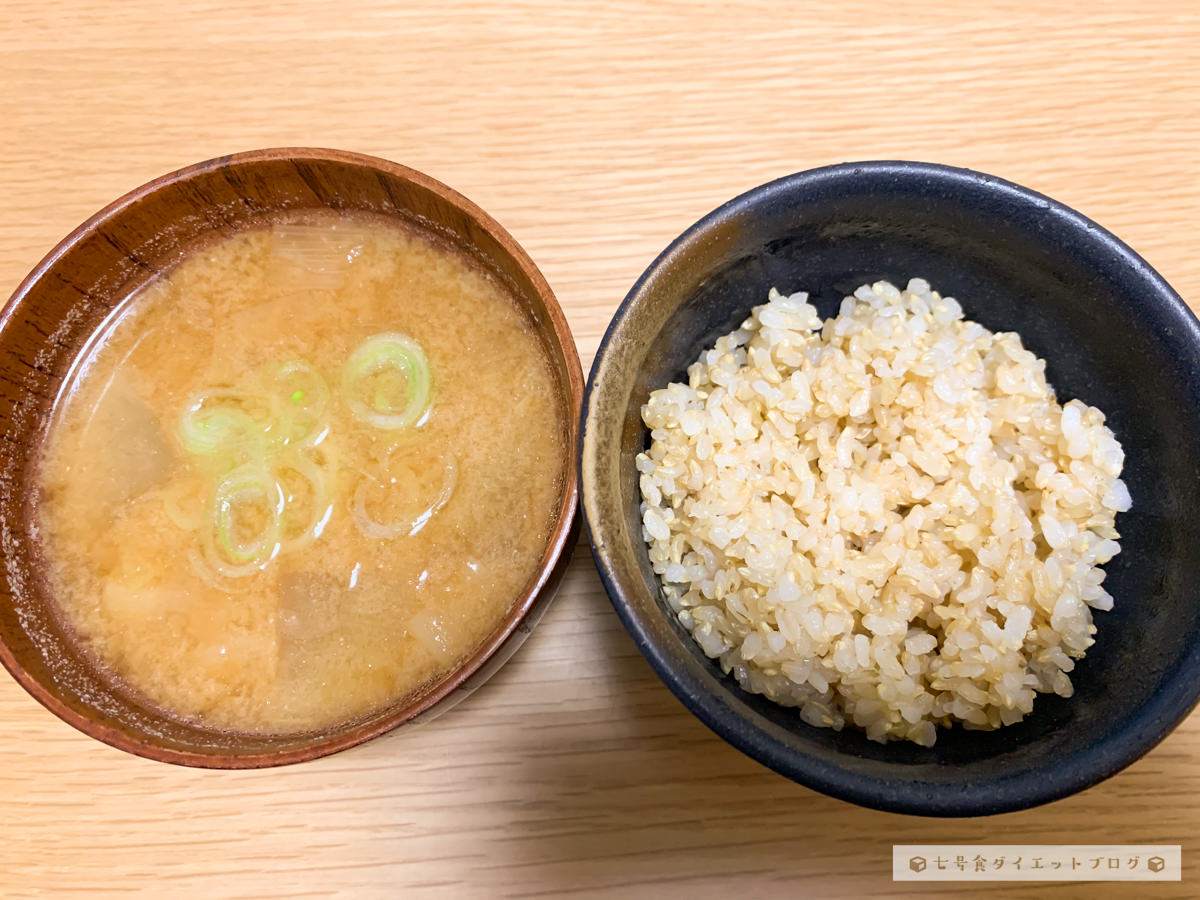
(302, 475)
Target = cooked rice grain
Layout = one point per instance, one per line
(885, 518)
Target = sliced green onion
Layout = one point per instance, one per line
(301, 413)
(208, 432)
(204, 569)
(256, 444)
(227, 552)
(222, 422)
(379, 354)
(293, 538)
(185, 512)
(402, 476)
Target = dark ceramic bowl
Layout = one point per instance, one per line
(1113, 334)
(64, 299)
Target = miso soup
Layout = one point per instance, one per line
(302, 475)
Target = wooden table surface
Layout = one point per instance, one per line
(595, 133)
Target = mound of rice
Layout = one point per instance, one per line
(885, 518)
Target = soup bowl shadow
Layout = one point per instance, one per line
(55, 310)
(1113, 334)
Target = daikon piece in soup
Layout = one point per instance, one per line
(302, 475)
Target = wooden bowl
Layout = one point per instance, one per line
(59, 305)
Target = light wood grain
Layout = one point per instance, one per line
(595, 133)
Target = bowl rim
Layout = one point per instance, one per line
(471, 672)
(1124, 745)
